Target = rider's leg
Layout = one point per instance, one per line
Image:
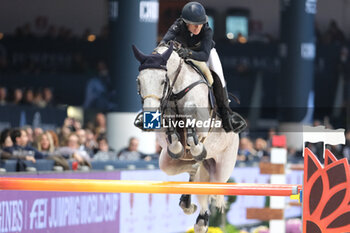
(231, 121)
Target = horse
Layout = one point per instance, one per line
(212, 154)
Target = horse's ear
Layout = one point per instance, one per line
(138, 54)
(168, 52)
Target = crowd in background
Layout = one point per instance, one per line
(39, 97)
(71, 142)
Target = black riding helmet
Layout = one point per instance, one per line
(194, 13)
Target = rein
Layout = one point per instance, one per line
(168, 93)
(166, 98)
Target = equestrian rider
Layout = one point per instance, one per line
(196, 37)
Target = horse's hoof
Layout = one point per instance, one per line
(201, 156)
(198, 228)
(202, 223)
(185, 204)
(177, 154)
(191, 210)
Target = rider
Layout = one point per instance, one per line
(196, 37)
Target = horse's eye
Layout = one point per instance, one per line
(163, 82)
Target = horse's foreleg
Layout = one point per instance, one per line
(197, 149)
(175, 148)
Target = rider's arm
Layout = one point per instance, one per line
(172, 31)
(206, 45)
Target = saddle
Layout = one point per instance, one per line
(202, 68)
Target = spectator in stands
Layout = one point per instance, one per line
(44, 144)
(17, 96)
(104, 153)
(246, 150)
(71, 151)
(63, 135)
(90, 141)
(54, 136)
(48, 97)
(21, 148)
(37, 132)
(3, 96)
(82, 141)
(30, 134)
(5, 138)
(131, 152)
(38, 99)
(6, 142)
(261, 149)
(70, 125)
(100, 124)
(28, 97)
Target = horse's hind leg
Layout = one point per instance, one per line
(202, 222)
(223, 167)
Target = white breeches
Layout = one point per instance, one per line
(214, 64)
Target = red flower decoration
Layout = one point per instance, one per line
(326, 194)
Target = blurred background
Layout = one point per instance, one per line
(67, 76)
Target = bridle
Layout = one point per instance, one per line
(167, 93)
(167, 89)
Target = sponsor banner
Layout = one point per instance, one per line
(150, 213)
(56, 212)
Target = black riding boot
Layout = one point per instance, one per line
(231, 121)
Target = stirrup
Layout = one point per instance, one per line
(138, 122)
(237, 122)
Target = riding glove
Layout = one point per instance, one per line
(184, 52)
